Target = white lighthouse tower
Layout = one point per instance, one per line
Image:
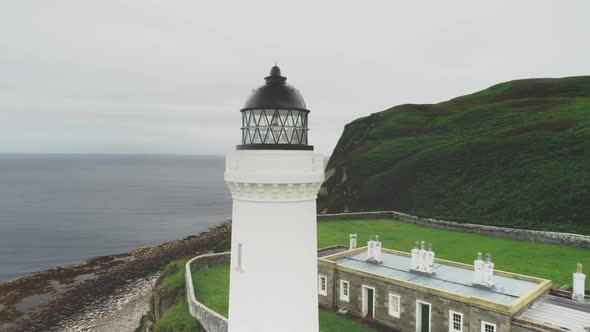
(274, 177)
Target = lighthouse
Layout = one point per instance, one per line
(274, 177)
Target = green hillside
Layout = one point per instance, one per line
(516, 154)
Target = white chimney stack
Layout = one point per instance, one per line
(377, 251)
(352, 241)
(478, 270)
(423, 257)
(483, 272)
(488, 272)
(370, 248)
(429, 266)
(374, 250)
(579, 284)
(415, 261)
(422, 260)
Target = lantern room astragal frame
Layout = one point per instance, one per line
(284, 129)
(275, 117)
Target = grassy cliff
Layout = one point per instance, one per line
(516, 154)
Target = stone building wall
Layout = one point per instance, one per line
(477, 315)
(569, 239)
(327, 301)
(440, 306)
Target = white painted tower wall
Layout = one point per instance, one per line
(274, 220)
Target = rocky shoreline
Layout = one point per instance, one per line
(120, 311)
(107, 293)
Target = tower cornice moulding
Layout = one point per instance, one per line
(274, 176)
(274, 192)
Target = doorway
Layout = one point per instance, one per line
(368, 302)
(423, 310)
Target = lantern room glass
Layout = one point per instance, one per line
(274, 126)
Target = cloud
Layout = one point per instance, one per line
(170, 76)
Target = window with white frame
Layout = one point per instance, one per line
(323, 285)
(344, 290)
(455, 321)
(488, 327)
(394, 305)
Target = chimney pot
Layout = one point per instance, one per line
(578, 292)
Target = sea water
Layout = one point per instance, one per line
(61, 209)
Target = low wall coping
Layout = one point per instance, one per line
(209, 319)
(571, 239)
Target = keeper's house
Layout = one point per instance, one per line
(416, 292)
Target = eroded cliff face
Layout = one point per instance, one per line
(514, 154)
(160, 301)
(168, 309)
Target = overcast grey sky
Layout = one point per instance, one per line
(171, 76)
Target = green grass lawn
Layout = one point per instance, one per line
(334, 322)
(549, 261)
(212, 289)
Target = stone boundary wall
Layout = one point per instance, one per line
(569, 239)
(209, 319)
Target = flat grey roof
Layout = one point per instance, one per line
(559, 312)
(323, 252)
(448, 278)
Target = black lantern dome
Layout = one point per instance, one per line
(274, 116)
(276, 93)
